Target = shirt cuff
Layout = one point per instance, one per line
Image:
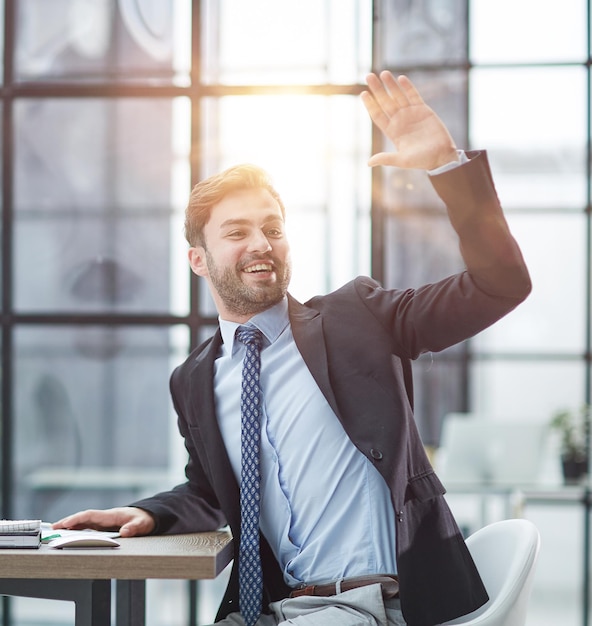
(463, 158)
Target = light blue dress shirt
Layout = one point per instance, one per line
(325, 511)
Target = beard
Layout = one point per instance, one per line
(243, 299)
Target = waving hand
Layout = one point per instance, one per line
(421, 139)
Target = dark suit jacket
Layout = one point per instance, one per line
(358, 343)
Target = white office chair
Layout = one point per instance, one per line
(505, 554)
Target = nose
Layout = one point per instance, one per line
(258, 242)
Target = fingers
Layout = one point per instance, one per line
(387, 95)
(386, 92)
(129, 521)
(91, 518)
(408, 88)
(377, 115)
(78, 521)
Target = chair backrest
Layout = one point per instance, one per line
(505, 554)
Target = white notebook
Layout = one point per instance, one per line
(20, 533)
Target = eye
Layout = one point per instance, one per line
(235, 234)
(275, 232)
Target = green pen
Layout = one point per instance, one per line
(49, 538)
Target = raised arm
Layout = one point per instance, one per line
(421, 139)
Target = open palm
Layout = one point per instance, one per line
(421, 139)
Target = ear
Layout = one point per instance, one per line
(197, 260)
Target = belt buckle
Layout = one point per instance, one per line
(302, 590)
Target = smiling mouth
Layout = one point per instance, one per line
(258, 268)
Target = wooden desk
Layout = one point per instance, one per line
(83, 576)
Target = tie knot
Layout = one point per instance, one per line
(249, 335)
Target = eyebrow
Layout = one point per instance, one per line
(242, 221)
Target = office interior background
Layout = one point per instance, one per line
(112, 109)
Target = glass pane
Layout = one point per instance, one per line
(315, 149)
(100, 152)
(293, 41)
(147, 40)
(535, 136)
(100, 190)
(81, 395)
(523, 31)
(42, 612)
(552, 318)
(405, 236)
(207, 332)
(204, 299)
(438, 384)
(552, 602)
(424, 32)
(526, 389)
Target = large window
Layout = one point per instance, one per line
(530, 105)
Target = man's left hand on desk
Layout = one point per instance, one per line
(128, 521)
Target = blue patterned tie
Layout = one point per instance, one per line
(249, 563)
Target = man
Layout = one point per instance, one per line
(348, 498)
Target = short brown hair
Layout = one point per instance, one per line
(207, 193)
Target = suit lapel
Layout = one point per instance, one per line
(204, 410)
(307, 329)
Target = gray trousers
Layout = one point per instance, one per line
(359, 607)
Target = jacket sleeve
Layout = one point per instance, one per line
(490, 252)
(436, 316)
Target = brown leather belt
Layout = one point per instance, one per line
(388, 582)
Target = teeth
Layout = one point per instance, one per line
(261, 267)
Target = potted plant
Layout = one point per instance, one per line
(573, 426)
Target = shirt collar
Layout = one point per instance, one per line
(272, 322)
